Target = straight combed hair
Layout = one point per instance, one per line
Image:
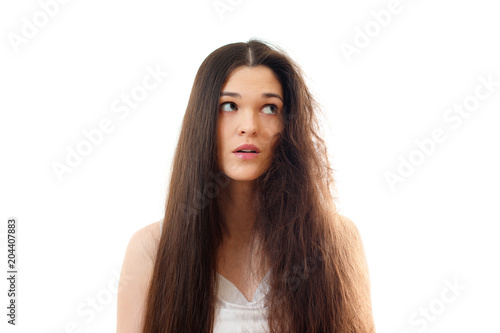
(315, 284)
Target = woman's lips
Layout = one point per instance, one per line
(246, 156)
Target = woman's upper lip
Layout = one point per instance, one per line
(247, 146)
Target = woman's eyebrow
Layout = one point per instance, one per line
(233, 94)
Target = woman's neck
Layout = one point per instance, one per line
(237, 217)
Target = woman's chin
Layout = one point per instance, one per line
(242, 177)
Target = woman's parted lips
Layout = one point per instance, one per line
(247, 146)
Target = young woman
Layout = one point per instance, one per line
(251, 240)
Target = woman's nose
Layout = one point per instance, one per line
(248, 122)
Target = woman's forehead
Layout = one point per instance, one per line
(250, 79)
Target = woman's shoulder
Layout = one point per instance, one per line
(347, 225)
(145, 240)
(351, 246)
(348, 238)
(135, 276)
(142, 247)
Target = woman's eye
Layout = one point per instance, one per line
(274, 108)
(227, 103)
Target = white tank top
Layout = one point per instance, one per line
(234, 313)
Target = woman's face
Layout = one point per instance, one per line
(249, 106)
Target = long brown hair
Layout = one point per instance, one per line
(315, 285)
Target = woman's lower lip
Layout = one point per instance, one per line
(246, 156)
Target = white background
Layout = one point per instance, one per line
(439, 224)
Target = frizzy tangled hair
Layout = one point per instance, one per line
(318, 278)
